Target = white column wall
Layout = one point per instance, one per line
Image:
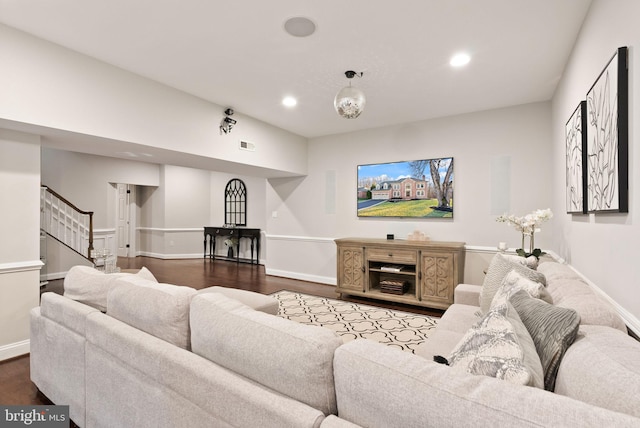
(20, 231)
(186, 195)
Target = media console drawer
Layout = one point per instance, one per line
(392, 255)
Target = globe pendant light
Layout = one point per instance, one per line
(350, 101)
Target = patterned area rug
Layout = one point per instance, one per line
(402, 330)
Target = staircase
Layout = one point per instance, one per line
(66, 223)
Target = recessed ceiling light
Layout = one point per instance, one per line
(459, 60)
(289, 102)
(299, 26)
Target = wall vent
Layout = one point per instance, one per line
(245, 145)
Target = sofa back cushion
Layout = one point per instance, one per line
(66, 312)
(91, 286)
(161, 310)
(569, 290)
(291, 358)
(602, 368)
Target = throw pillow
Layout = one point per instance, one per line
(531, 262)
(91, 286)
(499, 267)
(492, 347)
(553, 330)
(514, 282)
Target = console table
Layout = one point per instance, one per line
(211, 233)
(422, 273)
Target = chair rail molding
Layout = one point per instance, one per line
(25, 266)
(300, 238)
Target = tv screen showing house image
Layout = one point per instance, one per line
(416, 189)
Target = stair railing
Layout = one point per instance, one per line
(65, 222)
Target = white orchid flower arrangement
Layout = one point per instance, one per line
(528, 226)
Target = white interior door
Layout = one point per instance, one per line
(123, 195)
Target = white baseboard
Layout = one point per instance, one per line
(50, 276)
(170, 256)
(14, 349)
(301, 276)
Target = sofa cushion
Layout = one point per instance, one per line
(333, 421)
(499, 267)
(552, 329)
(453, 325)
(499, 346)
(602, 368)
(569, 290)
(161, 310)
(291, 358)
(440, 343)
(378, 386)
(91, 286)
(467, 294)
(459, 318)
(257, 301)
(514, 282)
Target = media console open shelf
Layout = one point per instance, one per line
(422, 273)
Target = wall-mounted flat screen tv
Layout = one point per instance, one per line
(417, 189)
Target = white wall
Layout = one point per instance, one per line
(323, 204)
(602, 246)
(172, 215)
(20, 231)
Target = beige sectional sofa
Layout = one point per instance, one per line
(140, 364)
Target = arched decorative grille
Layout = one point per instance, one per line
(235, 203)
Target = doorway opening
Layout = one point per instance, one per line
(125, 220)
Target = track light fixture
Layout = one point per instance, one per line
(227, 123)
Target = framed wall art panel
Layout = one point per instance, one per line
(608, 138)
(576, 159)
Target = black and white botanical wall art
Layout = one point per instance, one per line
(576, 155)
(607, 138)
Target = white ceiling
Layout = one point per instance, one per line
(237, 54)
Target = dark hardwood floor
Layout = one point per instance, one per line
(16, 387)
